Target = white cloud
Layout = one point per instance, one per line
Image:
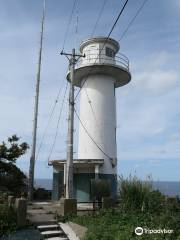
(175, 137)
(142, 119)
(147, 111)
(155, 75)
(158, 81)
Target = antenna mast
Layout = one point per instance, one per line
(33, 151)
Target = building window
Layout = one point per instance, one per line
(110, 52)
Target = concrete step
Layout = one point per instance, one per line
(47, 227)
(52, 233)
(56, 238)
(38, 222)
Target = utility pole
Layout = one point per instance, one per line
(33, 151)
(69, 161)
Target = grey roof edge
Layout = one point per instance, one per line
(99, 39)
(63, 161)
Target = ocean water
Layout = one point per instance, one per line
(167, 188)
(43, 183)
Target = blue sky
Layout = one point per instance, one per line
(148, 112)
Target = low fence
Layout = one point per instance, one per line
(120, 60)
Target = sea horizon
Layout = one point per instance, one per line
(169, 188)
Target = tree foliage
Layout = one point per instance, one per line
(11, 177)
(12, 150)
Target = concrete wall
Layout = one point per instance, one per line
(99, 119)
(96, 53)
(82, 185)
(58, 185)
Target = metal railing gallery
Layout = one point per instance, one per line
(93, 58)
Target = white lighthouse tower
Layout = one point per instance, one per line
(98, 74)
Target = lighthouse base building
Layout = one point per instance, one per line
(98, 74)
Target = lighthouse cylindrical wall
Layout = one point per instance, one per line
(98, 74)
(98, 115)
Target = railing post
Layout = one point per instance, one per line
(11, 201)
(21, 211)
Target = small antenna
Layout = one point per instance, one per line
(44, 9)
(77, 28)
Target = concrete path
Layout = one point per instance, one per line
(42, 215)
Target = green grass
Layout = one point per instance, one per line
(119, 224)
(140, 206)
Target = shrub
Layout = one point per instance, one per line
(139, 195)
(42, 194)
(156, 202)
(7, 219)
(3, 197)
(141, 206)
(100, 188)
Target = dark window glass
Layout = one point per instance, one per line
(110, 52)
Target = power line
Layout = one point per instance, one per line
(69, 22)
(89, 101)
(57, 126)
(99, 16)
(133, 19)
(112, 28)
(49, 120)
(117, 18)
(85, 129)
(93, 112)
(92, 109)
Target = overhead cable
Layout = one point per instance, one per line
(57, 126)
(110, 32)
(133, 19)
(85, 129)
(117, 18)
(99, 17)
(69, 22)
(49, 120)
(93, 112)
